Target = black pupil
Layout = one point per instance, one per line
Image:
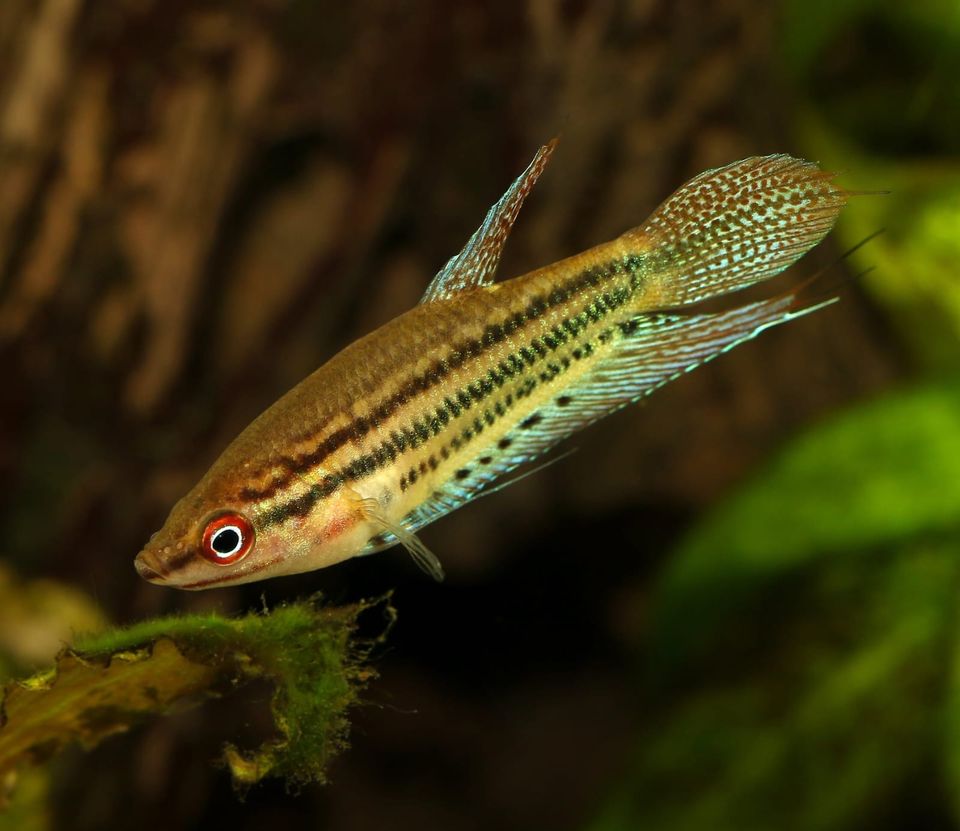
(226, 540)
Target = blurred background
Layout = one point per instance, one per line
(735, 608)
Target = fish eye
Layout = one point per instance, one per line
(227, 538)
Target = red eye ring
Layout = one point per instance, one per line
(227, 538)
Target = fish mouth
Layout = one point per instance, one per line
(147, 567)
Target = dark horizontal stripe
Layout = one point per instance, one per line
(473, 393)
(303, 504)
(215, 580)
(178, 561)
(466, 350)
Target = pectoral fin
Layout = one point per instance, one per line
(422, 556)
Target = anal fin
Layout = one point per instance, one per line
(651, 350)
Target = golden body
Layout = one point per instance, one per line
(424, 413)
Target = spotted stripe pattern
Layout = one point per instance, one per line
(533, 361)
(430, 409)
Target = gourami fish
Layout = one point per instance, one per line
(425, 413)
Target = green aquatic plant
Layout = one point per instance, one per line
(107, 682)
(802, 666)
(876, 96)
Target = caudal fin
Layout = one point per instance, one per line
(735, 226)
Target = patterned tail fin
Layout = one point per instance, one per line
(735, 226)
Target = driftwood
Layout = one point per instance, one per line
(200, 202)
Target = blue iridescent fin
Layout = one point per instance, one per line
(734, 226)
(651, 350)
(476, 264)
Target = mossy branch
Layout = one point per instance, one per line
(108, 682)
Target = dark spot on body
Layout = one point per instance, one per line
(531, 421)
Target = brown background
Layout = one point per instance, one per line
(201, 202)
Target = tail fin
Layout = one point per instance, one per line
(735, 226)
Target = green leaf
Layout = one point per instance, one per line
(816, 729)
(913, 272)
(802, 669)
(881, 474)
(809, 24)
(886, 118)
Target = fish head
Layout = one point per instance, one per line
(221, 534)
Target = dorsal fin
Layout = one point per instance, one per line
(476, 263)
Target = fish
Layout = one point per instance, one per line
(434, 408)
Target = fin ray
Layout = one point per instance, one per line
(658, 348)
(397, 532)
(735, 226)
(476, 264)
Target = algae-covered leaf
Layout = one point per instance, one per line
(110, 681)
(86, 700)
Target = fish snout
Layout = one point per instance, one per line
(148, 567)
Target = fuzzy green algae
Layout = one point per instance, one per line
(107, 682)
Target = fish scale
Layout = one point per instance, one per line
(430, 410)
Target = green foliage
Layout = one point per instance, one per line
(873, 477)
(913, 271)
(804, 662)
(810, 26)
(109, 681)
(28, 807)
(876, 82)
